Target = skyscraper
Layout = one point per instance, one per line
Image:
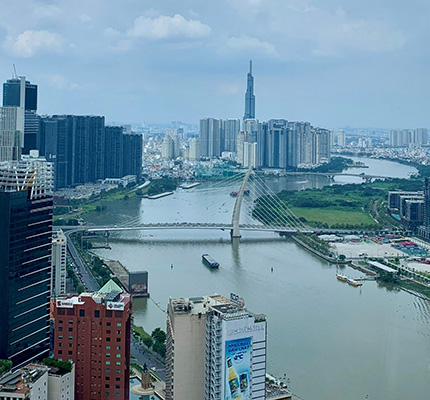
(18, 92)
(93, 330)
(231, 128)
(211, 137)
(249, 95)
(25, 265)
(215, 349)
(11, 133)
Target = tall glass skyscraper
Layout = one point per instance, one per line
(25, 260)
(249, 96)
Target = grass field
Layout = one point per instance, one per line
(333, 217)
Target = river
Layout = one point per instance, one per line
(332, 341)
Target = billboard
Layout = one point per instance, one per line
(237, 369)
(138, 283)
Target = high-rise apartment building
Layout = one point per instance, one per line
(168, 148)
(114, 152)
(84, 150)
(211, 137)
(341, 136)
(231, 128)
(249, 95)
(18, 92)
(93, 331)
(58, 262)
(194, 151)
(215, 349)
(133, 151)
(11, 133)
(25, 259)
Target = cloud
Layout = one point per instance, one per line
(165, 27)
(29, 43)
(251, 43)
(60, 82)
(122, 46)
(85, 18)
(110, 32)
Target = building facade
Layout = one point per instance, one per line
(11, 133)
(58, 262)
(93, 330)
(25, 259)
(18, 92)
(215, 349)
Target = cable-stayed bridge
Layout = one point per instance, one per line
(256, 208)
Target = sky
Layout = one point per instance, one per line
(331, 62)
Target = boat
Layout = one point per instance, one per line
(209, 261)
(235, 193)
(353, 282)
(342, 278)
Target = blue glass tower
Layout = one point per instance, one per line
(249, 96)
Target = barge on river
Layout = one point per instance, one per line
(209, 261)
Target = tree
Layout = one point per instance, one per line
(158, 335)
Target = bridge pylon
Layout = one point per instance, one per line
(235, 232)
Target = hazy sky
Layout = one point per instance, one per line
(331, 62)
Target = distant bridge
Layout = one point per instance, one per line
(191, 225)
(331, 175)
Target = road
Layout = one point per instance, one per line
(85, 276)
(143, 357)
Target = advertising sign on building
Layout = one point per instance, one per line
(118, 306)
(65, 303)
(138, 283)
(237, 369)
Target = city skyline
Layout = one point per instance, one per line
(164, 62)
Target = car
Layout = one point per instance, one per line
(153, 368)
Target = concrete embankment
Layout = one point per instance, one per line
(318, 253)
(119, 271)
(159, 196)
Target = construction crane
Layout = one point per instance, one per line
(15, 76)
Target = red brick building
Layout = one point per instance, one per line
(93, 331)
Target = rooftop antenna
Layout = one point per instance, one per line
(15, 76)
(250, 66)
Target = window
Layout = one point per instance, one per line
(108, 332)
(117, 387)
(107, 394)
(107, 371)
(108, 339)
(107, 354)
(107, 323)
(118, 324)
(118, 339)
(107, 386)
(116, 394)
(60, 328)
(70, 336)
(118, 347)
(70, 329)
(60, 336)
(60, 351)
(118, 355)
(107, 347)
(97, 313)
(118, 332)
(118, 363)
(118, 371)
(82, 313)
(107, 362)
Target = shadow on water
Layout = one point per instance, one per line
(235, 252)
